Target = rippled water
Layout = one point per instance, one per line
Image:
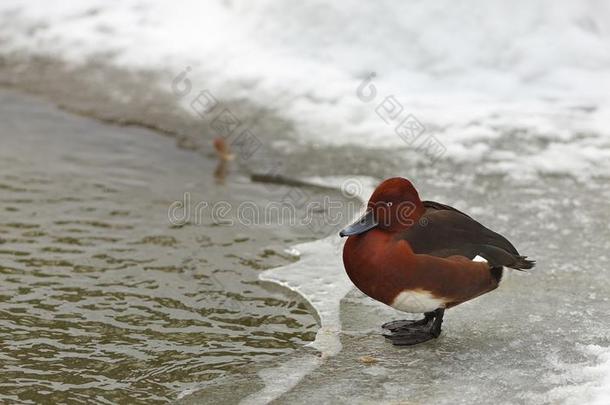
(101, 297)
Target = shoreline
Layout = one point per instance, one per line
(101, 214)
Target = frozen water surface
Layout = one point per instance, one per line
(541, 338)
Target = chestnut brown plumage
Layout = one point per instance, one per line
(417, 256)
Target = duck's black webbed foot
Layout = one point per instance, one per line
(408, 323)
(407, 333)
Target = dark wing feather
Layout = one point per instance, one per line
(486, 235)
(439, 206)
(445, 231)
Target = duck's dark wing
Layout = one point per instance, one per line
(445, 231)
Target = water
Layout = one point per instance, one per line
(101, 297)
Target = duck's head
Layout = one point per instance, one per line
(393, 206)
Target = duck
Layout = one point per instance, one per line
(422, 257)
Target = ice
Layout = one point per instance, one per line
(319, 278)
(542, 337)
(527, 327)
(280, 379)
(584, 383)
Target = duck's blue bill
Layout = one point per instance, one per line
(365, 223)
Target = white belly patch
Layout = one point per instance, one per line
(417, 301)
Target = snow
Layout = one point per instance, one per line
(469, 73)
(584, 383)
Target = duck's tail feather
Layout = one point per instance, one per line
(522, 263)
(498, 257)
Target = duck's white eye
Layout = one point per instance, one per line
(390, 204)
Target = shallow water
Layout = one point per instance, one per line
(101, 297)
